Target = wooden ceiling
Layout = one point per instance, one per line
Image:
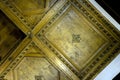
(54, 40)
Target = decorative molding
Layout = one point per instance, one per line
(87, 14)
(98, 25)
(96, 60)
(17, 13)
(16, 60)
(41, 69)
(105, 32)
(21, 17)
(10, 35)
(100, 17)
(110, 57)
(42, 31)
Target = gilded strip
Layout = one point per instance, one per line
(17, 59)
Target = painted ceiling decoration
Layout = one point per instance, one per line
(54, 40)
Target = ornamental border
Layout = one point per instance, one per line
(94, 21)
(16, 60)
(17, 13)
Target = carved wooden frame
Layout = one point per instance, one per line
(96, 64)
(35, 34)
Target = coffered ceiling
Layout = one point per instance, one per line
(54, 40)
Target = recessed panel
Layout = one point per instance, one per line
(10, 37)
(33, 68)
(34, 10)
(75, 37)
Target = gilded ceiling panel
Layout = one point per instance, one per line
(34, 10)
(31, 68)
(74, 37)
(79, 39)
(54, 40)
(10, 37)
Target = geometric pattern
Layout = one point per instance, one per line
(69, 39)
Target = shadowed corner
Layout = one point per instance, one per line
(0, 58)
(112, 7)
(117, 77)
